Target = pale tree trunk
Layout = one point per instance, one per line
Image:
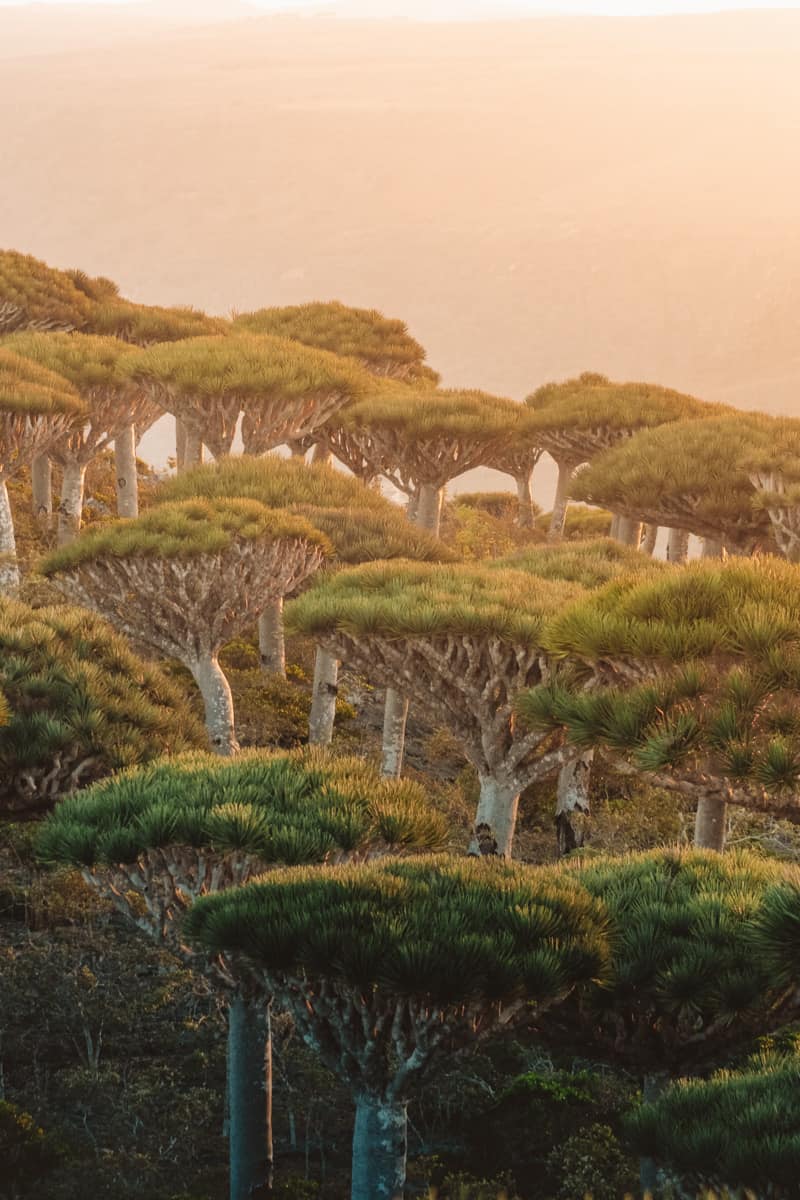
(323, 699)
(412, 505)
(9, 568)
(321, 454)
(192, 451)
(709, 824)
(42, 490)
(297, 449)
(180, 444)
(271, 639)
(572, 802)
(379, 1150)
(495, 818)
(216, 693)
(125, 470)
(649, 539)
(653, 1086)
(713, 548)
(250, 1100)
(70, 510)
(558, 518)
(629, 532)
(614, 530)
(429, 508)
(677, 546)
(395, 713)
(525, 518)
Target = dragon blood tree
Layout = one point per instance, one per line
(154, 840)
(91, 364)
(390, 967)
(80, 705)
(687, 475)
(187, 577)
(726, 727)
(36, 407)
(518, 459)
(772, 463)
(735, 1133)
(35, 296)
(360, 524)
(578, 419)
(683, 985)
(462, 642)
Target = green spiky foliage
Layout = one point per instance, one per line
(685, 475)
(30, 391)
(707, 730)
(772, 464)
(154, 839)
(97, 287)
(461, 642)
(590, 563)
(580, 522)
(35, 296)
(381, 344)
(189, 576)
(684, 985)
(149, 324)
(283, 388)
(80, 705)
(578, 418)
(736, 1130)
(360, 524)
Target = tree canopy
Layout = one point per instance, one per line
(81, 704)
(30, 389)
(149, 324)
(89, 363)
(35, 296)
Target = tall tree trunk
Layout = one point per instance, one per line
(42, 490)
(677, 546)
(9, 568)
(525, 518)
(429, 508)
(495, 818)
(125, 470)
(70, 510)
(614, 530)
(216, 693)
(395, 712)
(250, 1099)
(558, 517)
(713, 548)
(323, 699)
(271, 639)
(709, 823)
(297, 448)
(180, 444)
(379, 1150)
(192, 451)
(653, 1086)
(649, 539)
(412, 505)
(629, 532)
(572, 802)
(322, 453)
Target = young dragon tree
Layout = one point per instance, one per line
(153, 841)
(36, 408)
(687, 475)
(578, 419)
(187, 577)
(462, 642)
(725, 727)
(92, 365)
(389, 968)
(772, 465)
(81, 704)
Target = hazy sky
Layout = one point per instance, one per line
(459, 8)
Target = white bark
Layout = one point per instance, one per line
(649, 539)
(558, 517)
(710, 824)
(42, 489)
(180, 444)
(572, 802)
(614, 530)
(525, 501)
(216, 693)
(713, 548)
(192, 450)
(394, 734)
(677, 546)
(496, 818)
(379, 1150)
(125, 470)
(429, 508)
(70, 510)
(323, 702)
(271, 639)
(9, 568)
(321, 453)
(629, 532)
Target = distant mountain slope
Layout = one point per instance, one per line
(535, 198)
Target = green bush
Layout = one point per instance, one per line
(591, 1162)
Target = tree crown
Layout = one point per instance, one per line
(776, 454)
(146, 324)
(27, 387)
(447, 929)
(183, 529)
(443, 412)
(382, 343)
(590, 563)
(244, 366)
(39, 295)
(294, 808)
(85, 361)
(592, 400)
